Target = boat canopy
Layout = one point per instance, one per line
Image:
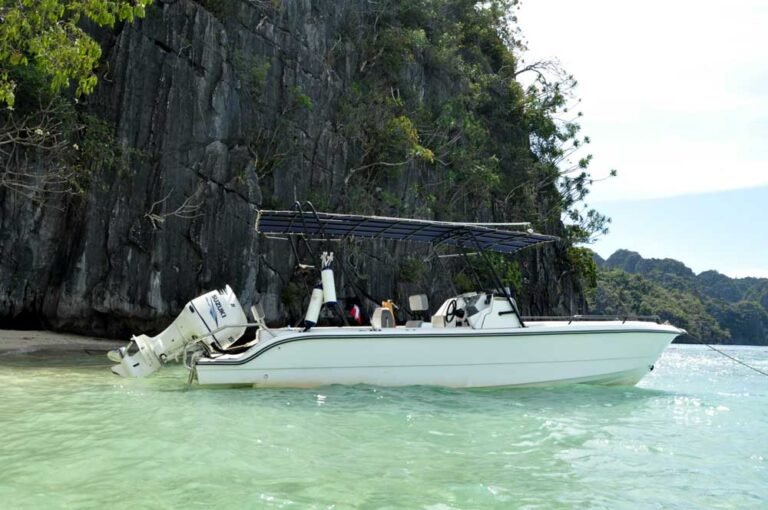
(480, 236)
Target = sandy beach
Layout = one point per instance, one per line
(20, 344)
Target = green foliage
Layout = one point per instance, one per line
(620, 293)
(253, 71)
(98, 150)
(557, 143)
(52, 147)
(507, 269)
(257, 76)
(411, 269)
(45, 35)
(719, 286)
(660, 269)
(480, 143)
(386, 114)
(403, 133)
(480, 273)
(747, 321)
(300, 99)
(98, 144)
(464, 283)
(583, 264)
(711, 306)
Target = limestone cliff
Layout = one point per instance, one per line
(222, 107)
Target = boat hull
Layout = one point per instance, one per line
(459, 357)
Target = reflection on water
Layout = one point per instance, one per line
(689, 436)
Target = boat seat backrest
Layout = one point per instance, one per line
(382, 318)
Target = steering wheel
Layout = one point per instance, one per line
(450, 312)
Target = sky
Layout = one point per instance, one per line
(674, 96)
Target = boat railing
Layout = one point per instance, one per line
(579, 318)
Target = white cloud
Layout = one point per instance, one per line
(663, 168)
(673, 91)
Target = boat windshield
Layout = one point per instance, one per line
(472, 300)
(472, 303)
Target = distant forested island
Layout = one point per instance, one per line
(712, 307)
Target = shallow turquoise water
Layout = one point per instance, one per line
(691, 435)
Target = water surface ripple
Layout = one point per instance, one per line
(691, 435)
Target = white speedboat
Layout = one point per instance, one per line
(475, 339)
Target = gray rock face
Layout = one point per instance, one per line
(216, 114)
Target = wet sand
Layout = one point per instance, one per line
(40, 344)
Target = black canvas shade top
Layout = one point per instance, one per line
(343, 226)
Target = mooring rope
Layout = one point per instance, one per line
(732, 358)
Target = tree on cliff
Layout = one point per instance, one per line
(45, 142)
(45, 36)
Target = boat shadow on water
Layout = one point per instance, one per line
(436, 398)
(91, 362)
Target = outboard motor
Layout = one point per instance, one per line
(215, 319)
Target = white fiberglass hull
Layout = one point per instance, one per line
(546, 354)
